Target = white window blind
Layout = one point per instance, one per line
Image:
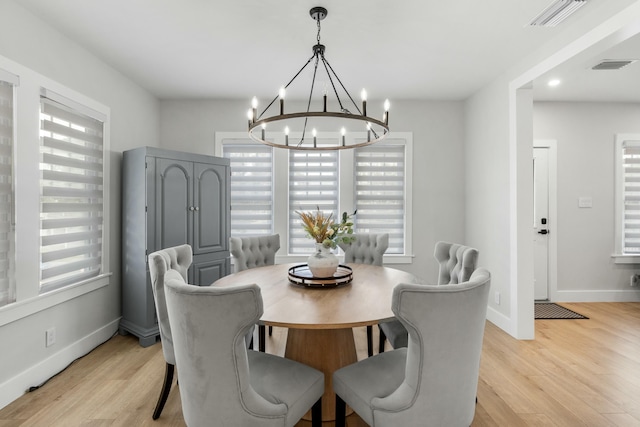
(380, 192)
(631, 197)
(313, 184)
(251, 188)
(7, 240)
(71, 200)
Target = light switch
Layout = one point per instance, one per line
(585, 202)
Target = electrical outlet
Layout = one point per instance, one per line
(50, 335)
(496, 298)
(635, 280)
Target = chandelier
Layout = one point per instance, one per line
(338, 123)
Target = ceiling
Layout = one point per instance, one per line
(411, 49)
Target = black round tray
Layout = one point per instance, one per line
(301, 275)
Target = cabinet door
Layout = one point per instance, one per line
(210, 267)
(211, 214)
(174, 203)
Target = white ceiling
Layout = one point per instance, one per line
(410, 49)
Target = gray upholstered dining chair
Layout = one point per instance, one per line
(251, 252)
(433, 381)
(456, 264)
(223, 383)
(178, 258)
(366, 249)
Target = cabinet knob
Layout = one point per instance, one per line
(191, 208)
(197, 208)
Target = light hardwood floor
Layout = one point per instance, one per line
(575, 373)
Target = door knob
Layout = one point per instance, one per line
(543, 232)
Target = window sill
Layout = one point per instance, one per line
(625, 259)
(21, 309)
(387, 260)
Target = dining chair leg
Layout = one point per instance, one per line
(383, 338)
(370, 340)
(261, 338)
(341, 412)
(316, 414)
(164, 393)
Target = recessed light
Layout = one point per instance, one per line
(553, 82)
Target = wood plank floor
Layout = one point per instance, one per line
(575, 373)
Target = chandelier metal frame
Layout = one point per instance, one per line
(376, 129)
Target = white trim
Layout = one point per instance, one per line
(387, 259)
(625, 259)
(9, 77)
(345, 182)
(21, 309)
(78, 106)
(500, 320)
(619, 256)
(16, 386)
(632, 295)
(552, 145)
(26, 154)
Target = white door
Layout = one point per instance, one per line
(541, 222)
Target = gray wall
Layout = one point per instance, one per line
(585, 134)
(32, 43)
(438, 160)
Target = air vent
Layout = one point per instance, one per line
(613, 64)
(556, 12)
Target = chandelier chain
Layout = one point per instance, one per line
(318, 36)
(257, 120)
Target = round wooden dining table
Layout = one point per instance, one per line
(320, 320)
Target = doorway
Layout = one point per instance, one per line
(545, 222)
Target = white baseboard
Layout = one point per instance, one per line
(631, 295)
(500, 320)
(15, 387)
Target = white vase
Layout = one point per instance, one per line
(322, 263)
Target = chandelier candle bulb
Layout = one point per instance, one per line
(363, 95)
(282, 93)
(386, 111)
(314, 133)
(324, 102)
(342, 132)
(250, 116)
(264, 126)
(286, 136)
(254, 107)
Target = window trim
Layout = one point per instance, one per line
(619, 256)
(29, 300)
(64, 105)
(346, 188)
(13, 81)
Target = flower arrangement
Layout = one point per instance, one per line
(323, 229)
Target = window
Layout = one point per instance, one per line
(627, 209)
(380, 194)
(251, 187)
(7, 227)
(375, 180)
(313, 184)
(71, 200)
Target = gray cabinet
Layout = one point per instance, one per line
(170, 198)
